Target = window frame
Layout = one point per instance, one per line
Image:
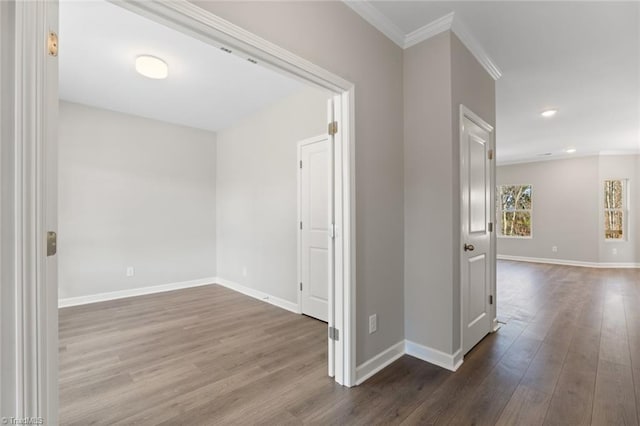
(625, 211)
(499, 213)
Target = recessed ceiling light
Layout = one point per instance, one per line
(152, 67)
(549, 112)
(570, 150)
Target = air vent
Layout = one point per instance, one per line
(253, 61)
(224, 49)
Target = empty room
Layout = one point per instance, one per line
(320, 212)
(194, 215)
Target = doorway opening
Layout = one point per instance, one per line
(38, 118)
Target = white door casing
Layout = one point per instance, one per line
(28, 211)
(315, 221)
(477, 259)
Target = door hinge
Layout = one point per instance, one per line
(490, 154)
(301, 225)
(333, 128)
(52, 243)
(334, 334)
(332, 231)
(52, 44)
(490, 226)
(300, 286)
(491, 299)
(300, 163)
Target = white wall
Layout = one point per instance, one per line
(332, 36)
(567, 209)
(257, 193)
(133, 192)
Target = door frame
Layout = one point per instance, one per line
(469, 114)
(28, 122)
(26, 216)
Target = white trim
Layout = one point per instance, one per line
(563, 156)
(474, 46)
(257, 294)
(449, 22)
(379, 362)
(622, 265)
(131, 292)
(434, 356)
(433, 28)
(376, 18)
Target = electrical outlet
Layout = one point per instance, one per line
(244, 271)
(130, 271)
(373, 323)
(554, 249)
(614, 251)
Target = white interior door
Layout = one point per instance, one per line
(314, 227)
(476, 259)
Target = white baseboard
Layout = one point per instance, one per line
(434, 356)
(378, 362)
(256, 294)
(406, 347)
(569, 262)
(121, 294)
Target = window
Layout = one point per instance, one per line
(514, 211)
(614, 209)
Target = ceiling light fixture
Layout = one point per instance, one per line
(570, 150)
(549, 112)
(152, 67)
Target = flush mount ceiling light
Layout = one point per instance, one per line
(549, 112)
(152, 67)
(570, 150)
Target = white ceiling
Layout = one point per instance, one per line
(579, 57)
(206, 88)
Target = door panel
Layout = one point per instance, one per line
(477, 289)
(477, 184)
(475, 143)
(314, 238)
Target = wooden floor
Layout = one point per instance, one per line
(569, 354)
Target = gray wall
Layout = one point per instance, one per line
(332, 36)
(440, 74)
(474, 88)
(257, 196)
(429, 192)
(133, 192)
(567, 209)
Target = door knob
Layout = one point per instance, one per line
(469, 247)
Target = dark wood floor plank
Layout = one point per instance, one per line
(569, 353)
(614, 399)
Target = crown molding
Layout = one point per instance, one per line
(434, 28)
(460, 29)
(449, 22)
(559, 157)
(378, 20)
